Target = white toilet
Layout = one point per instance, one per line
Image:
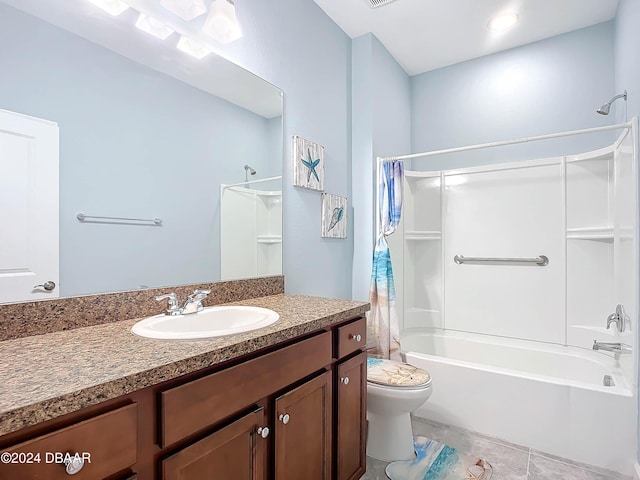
(394, 390)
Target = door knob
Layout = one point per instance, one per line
(48, 286)
(345, 380)
(263, 432)
(284, 418)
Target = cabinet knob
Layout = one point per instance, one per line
(284, 418)
(345, 380)
(73, 463)
(263, 432)
(357, 337)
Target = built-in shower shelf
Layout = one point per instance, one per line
(420, 310)
(590, 233)
(410, 174)
(422, 235)
(270, 239)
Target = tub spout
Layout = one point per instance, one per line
(612, 347)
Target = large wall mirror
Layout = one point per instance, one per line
(145, 132)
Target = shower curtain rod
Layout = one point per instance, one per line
(381, 160)
(251, 182)
(506, 142)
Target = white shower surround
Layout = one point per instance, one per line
(547, 397)
(539, 388)
(251, 229)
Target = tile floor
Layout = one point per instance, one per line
(509, 461)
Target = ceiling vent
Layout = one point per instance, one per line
(378, 3)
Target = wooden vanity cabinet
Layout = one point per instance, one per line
(350, 380)
(236, 451)
(302, 433)
(287, 414)
(103, 444)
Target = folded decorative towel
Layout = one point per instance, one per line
(437, 461)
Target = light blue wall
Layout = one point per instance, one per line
(362, 162)
(381, 125)
(627, 68)
(294, 45)
(549, 86)
(627, 60)
(165, 157)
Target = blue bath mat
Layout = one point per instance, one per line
(437, 461)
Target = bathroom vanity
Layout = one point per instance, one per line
(284, 402)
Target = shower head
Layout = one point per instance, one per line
(250, 170)
(604, 109)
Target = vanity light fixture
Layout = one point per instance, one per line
(193, 48)
(153, 27)
(222, 24)
(113, 7)
(185, 9)
(503, 21)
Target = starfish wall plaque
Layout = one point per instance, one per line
(308, 164)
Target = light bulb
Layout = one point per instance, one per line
(193, 48)
(153, 26)
(113, 7)
(503, 21)
(222, 23)
(185, 9)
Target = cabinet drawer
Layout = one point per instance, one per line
(108, 443)
(191, 407)
(352, 337)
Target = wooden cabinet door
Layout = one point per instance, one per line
(351, 418)
(303, 431)
(236, 452)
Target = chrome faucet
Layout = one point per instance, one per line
(620, 318)
(172, 308)
(618, 347)
(192, 304)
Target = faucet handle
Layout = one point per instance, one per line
(623, 317)
(173, 301)
(620, 318)
(198, 291)
(199, 295)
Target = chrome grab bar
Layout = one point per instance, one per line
(89, 218)
(540, 260)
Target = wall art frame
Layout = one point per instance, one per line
(308, 164)
(334, 216)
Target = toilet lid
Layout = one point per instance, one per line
(396, 374)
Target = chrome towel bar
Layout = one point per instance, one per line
(540, 260)
(93, 218)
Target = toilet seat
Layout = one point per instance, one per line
(396, 375)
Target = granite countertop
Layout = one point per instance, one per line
(46, 376)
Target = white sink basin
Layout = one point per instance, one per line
(210, 322)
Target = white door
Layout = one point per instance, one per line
(28, 207)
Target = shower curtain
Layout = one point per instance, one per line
(383, 332)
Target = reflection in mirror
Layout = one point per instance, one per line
(145, 132)
(251, 228)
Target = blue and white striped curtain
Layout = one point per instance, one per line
(383, 332)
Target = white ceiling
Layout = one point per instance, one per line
(212, 74)
(423, 35)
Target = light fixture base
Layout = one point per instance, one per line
(378, 3)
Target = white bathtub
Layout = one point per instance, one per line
(547, 397)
